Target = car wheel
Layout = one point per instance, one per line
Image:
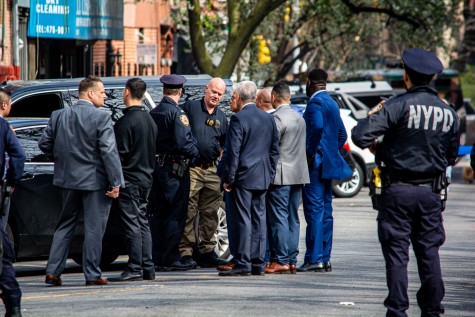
(221, 235)
(106, 259)
(351, 187)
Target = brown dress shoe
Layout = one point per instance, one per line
(100, 281)
(277, 268)
(269, 266)
(53, 280)
(226, 267)
(293, 268)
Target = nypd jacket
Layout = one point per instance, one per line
(420, 133)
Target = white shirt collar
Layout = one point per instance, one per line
(317, 93)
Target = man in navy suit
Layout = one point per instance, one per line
(326, 135)
(252, 152)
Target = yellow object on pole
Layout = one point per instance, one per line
(264, 51)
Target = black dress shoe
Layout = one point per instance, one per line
(175, 266)
(210, 259)
(235, 272)
(127, 276)
(148, 276)
(327, 266)
(188, 260)
(311, 267)
(258, 273)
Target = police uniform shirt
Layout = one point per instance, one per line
(208, 129)
(174, 133)
(420, 133)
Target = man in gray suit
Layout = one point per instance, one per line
(284, 193)
(87, 169)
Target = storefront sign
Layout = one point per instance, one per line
(77, 19)
(146, 54)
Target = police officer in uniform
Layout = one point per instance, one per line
(420, 139)
(13, 166)
(176, 149)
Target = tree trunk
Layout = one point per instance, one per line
(240, 32)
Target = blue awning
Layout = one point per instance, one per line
(77, 20)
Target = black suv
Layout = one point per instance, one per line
(40, 98)
(35, 203)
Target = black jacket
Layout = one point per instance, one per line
(174, 132)
(9, 144)
(136, 135)
(420, 134)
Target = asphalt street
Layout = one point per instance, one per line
(356, 287)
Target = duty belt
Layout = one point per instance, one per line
(170, 158)
(205, 166)
(427, 184)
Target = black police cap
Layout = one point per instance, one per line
(172, 81)
(422, 61)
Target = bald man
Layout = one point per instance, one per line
(208, 125)
(263, 100)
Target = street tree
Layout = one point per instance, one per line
(325, 33)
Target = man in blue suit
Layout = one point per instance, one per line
(252, 152)
(326, 135)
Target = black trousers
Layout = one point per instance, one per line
(11, 293)
(132, 203)
(168, 207)
(412, 214)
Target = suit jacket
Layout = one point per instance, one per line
(82, 142)
(292, 168)
(252, 149)
(326, 135)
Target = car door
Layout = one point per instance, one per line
(35, 203)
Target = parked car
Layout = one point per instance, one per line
(39, 98)
(351, 186)
(368, 92)
(35, 203)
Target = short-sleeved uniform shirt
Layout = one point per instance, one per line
(208, 129)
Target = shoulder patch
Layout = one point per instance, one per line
(184, 120)
(375, 109)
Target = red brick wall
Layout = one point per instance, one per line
(128, 47)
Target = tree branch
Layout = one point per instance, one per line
(390, 12)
